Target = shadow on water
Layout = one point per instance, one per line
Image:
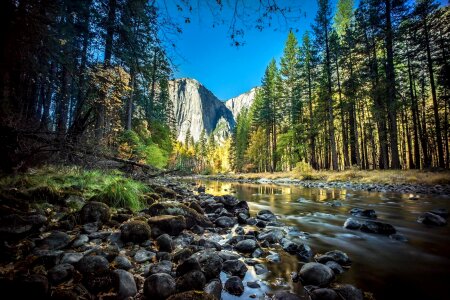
(416, 269)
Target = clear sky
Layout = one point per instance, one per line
(205, 52)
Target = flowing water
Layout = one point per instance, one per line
(416, 269)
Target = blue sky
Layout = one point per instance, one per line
(205, 53)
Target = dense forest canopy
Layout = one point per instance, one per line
(365, 87)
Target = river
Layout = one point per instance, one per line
(389, 269)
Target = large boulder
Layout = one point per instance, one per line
(191, 216)
(55, 241)
(234, 286)
(377, 227)
(234, 267)
(351, 223)
(126, 286)
(159, 286)
(334, 255)
(246, 246)
(94, 211)
(430, 218)
(316, 274)
(172, 225)
(135, 231)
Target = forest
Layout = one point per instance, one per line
(365, 87)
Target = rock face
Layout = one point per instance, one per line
(236, 104)
(197, 109)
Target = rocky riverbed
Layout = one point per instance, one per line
(184, 245)
(404, 188)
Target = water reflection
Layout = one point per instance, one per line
(417, 269)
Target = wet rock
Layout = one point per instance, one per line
(266, 215)
(349, 292)
(251, 221)
(440, 212)
(164, 266)
(246, 246)
(159, 286)
(227, 200)
(122, 262)
(258, 253)
(126, 286)
(234, 286)
(302, 251)
(207, 244)
(60, 273)
(94, 211)
(365, 213)
(225, 222)
(324, 294)
(260, 269)
(337, 268)
(55, 241)
(80, 241)
(210, 263)
(316, 274)
(191, 216)
(272, 236)
(429, 218)
(188, 265)
(234, 267)
(135, 231)
(253, 285)
(165, 243)
(285, 295)
(334, 255)
(228, 255)
(194, 280)
(201, 189)
(144, 255)
(377, 227)
(352, 224)
(214, 288)
(71, 258)
(93, 264)
(242, 218)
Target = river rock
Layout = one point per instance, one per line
(135, 231)
(351, 223)
(324, 294)
(302, 251)
(227, 200)
(334, 255)
(365, 213)
(90, 227)
(100, 282)
(337, 268)
(159, 286)
(349, 292)
(377, 227)
(55, 241)
(225, 222)
(71, 258)
(194, 280)
(285, 295)
(122, 262)
(273, 258)
(94, 211)
(165, 243)
(60, 273)
(210, 263)
(214, 288)
(430, 218)
(228, 255)
(272, 236)
(126, 286)
(260, 269)
(144, 255)
(266, 215)
(188, 265)
(316, 274)
(253, 285)
(234, 286)
(164, 266)
(93, 264)
(246, 246)
(172, 225)
(234, 267)
(16, 226)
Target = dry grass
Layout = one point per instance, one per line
(359, 176)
